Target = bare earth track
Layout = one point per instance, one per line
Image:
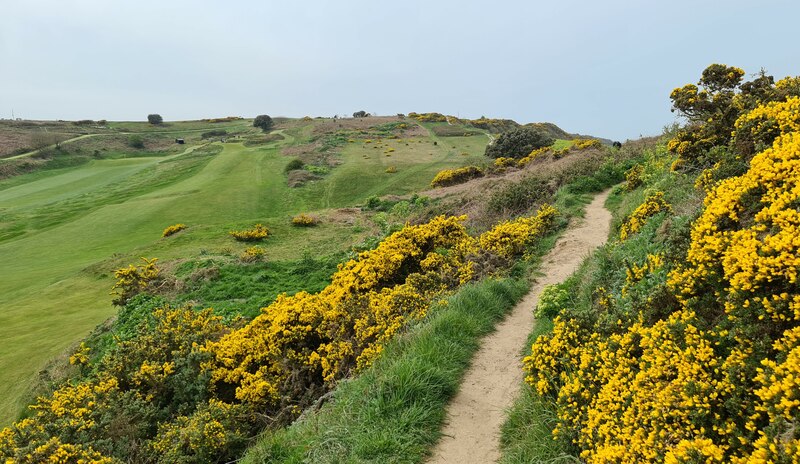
(472, 427)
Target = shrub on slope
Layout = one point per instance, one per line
(690, 356)
(189, 388)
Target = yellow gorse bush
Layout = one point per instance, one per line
(173, 229)
(251, 254)
(257, 233)
(631, 395)
(763, 249)
(132, 280)
(633, 177)
(202, 436)
(758, 129)
(511, 238)
(428, 117)
(305, 220)
(76, 421)
(652, 205)
(718, 378)
(447, 177)
(503, 162)
(535, 154)
(584, 144)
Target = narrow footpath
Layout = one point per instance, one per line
(471, 432)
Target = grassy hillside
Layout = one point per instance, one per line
(67, 229)
(62, 231)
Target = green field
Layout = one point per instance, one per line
(62, 232)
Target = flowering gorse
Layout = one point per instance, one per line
(710, 372)
(653, 204)
(257, 233)
(447, 177)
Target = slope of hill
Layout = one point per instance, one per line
(61, 226)
(93, 204)
(677, 342)
(62, 231)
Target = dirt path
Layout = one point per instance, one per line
(472, 428)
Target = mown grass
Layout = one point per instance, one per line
(392, 412)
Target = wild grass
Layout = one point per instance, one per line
(243, 289)
(561, 144)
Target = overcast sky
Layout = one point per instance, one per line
(596, 67)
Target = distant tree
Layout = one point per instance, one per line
(155, 119)
(264, 122)
(518, 143)
(360, 114)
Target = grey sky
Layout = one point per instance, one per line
(603, 68)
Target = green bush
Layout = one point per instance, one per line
(264, 122)
(552, 300)
(214, 133)
(294, 165)
(135, 141)
(518, 143)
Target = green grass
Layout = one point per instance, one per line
(560, 144)
(362, 173)
(243, 289)
(394, 410)
(63, 231)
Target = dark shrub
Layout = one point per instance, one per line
(264, 122)
(518, 143)
(294, 165)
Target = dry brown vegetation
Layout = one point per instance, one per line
(540, 178)
(17, 137)
(327, 126)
